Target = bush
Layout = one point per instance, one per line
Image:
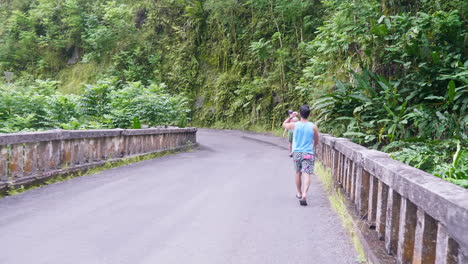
(152, 105)
(107, 104)
(34, 107)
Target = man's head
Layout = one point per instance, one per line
(289, 112)
(304, 111)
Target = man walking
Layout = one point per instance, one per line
(305, 140)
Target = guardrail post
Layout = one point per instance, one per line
(446, 248)
(362, 191)
(408, 221)
(353, 182)
(3, 164)
(392, 221)
(373, 194)
(381, 214)
(340, 169)
(335, 165)
(425, 239)
(346, 175)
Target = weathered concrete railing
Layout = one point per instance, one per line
(421, 218)
(27, 157)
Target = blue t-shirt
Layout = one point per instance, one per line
(303, 137)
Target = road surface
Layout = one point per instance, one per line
(230, 201)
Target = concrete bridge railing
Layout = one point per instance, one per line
(421, 218)
(28, 157)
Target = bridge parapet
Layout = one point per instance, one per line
(27, 157)
(421, 218)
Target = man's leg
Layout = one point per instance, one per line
(308, 169)
(306, 185)
(299, 183)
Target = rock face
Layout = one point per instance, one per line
(75, 58)
(26, 157)
(421, 218)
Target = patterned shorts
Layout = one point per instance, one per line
(304, 165)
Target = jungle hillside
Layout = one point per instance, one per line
(389, 74)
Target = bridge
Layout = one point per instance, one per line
(229, 200)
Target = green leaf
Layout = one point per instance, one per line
(386, 120)
(136, 123)
(360, 97)
(435, 57)
(354, 134)
(441, 116)
(434, 97)
(340, 85)
(381, 19)
(456, 157)
(388, 23)
(389, 110)
(383, 85)
(451, 91)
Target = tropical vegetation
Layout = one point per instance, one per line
(388, 74)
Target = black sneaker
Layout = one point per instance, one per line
(303, 202)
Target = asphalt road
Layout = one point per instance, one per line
(230, 201)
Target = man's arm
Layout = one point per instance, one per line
(316, 136)
(287, 123)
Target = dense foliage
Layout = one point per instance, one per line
(391, 75)
(106, 104)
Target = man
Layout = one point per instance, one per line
(290, 132)
(305, 140)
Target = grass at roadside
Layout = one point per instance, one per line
(337, 202)
(73, 78)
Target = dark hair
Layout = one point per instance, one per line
(304, 111)
(289, 112)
